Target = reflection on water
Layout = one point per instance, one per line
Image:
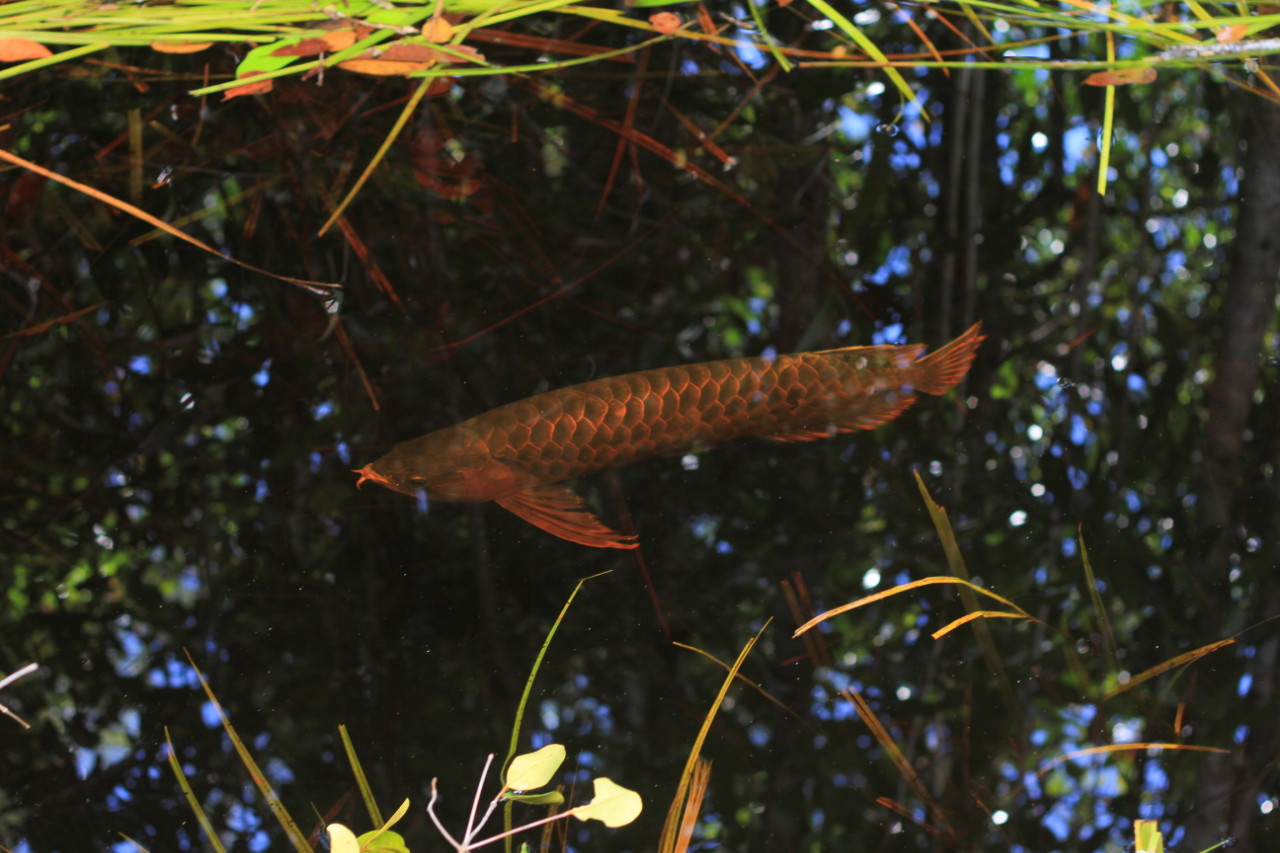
(181, 467)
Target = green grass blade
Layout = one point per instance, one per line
(768, 39)
(865, 43)
(1099, 609)
(259, 778)
(524, 700)
(64, 56)
(214, 840)
(382, 152)
(1108, 116)
(362, 781)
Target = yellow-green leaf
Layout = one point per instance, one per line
(342, 840)
(534, 769)
(550, 798)
(1147, 836)
(613, 804)
(384, 841)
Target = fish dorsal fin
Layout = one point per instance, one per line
(559, 512)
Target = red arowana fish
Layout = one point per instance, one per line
(517, 453)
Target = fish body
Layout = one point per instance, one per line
(516, 454)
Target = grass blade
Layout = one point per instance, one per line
(524, 700)
(1124, 747)
(214, 840)
(1172, 663)
(362, 781)
(697, 792)
(315, 287)
(930, 581)
(382, 152)
(1099, 609)
(298, 840)
(765, 693)
(969, 617)
(900, 761)
(1108, 116)
(669, 829)
(867, 45)
(980, 628)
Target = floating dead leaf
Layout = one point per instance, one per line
(437, 30)
(259, 88)
(306, 47)
(383, 67)
(1122, 77)
(407, 51)
(665, 22)
(20, 50)
(180, 46)
(1235, 32)
(330, 42)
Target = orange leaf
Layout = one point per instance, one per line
(382, 67)
(306, 47)
(259, 88)
(339, 39)
(665, 22)
(20, 49)
(180, 46)
(1122, 77)
(1235, 32)
(437, 30)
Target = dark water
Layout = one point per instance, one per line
(178, 464)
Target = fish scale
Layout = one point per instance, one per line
(517, 453)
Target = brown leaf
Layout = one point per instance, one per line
(1122, 77)
(330, 42)
(180, 46)
(259, 88)
(407, 51)
(306, 47)
(20, 49)
(382, 67)
(665, 22)
(63, 320)
(437, 30)
(1235, 32)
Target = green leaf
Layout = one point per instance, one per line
(613, 805)
(260, 59)
(551, 798)
(534, 769)
(382, 840)
(644, 4)
(342, 840)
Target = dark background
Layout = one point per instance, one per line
(177, 464)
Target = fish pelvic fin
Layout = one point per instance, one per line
(559, 512)
(939, 372)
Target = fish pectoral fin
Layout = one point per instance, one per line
(559, 512)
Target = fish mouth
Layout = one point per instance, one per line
(367, 473)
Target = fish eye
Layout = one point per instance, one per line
(418, 480)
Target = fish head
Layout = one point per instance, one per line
(448, 466)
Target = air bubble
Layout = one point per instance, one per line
(1064, 382)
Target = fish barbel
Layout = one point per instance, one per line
(517, 454)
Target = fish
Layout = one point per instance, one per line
(518, 454)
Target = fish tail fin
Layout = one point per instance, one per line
(941, 371)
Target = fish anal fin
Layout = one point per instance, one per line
(559, 512)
